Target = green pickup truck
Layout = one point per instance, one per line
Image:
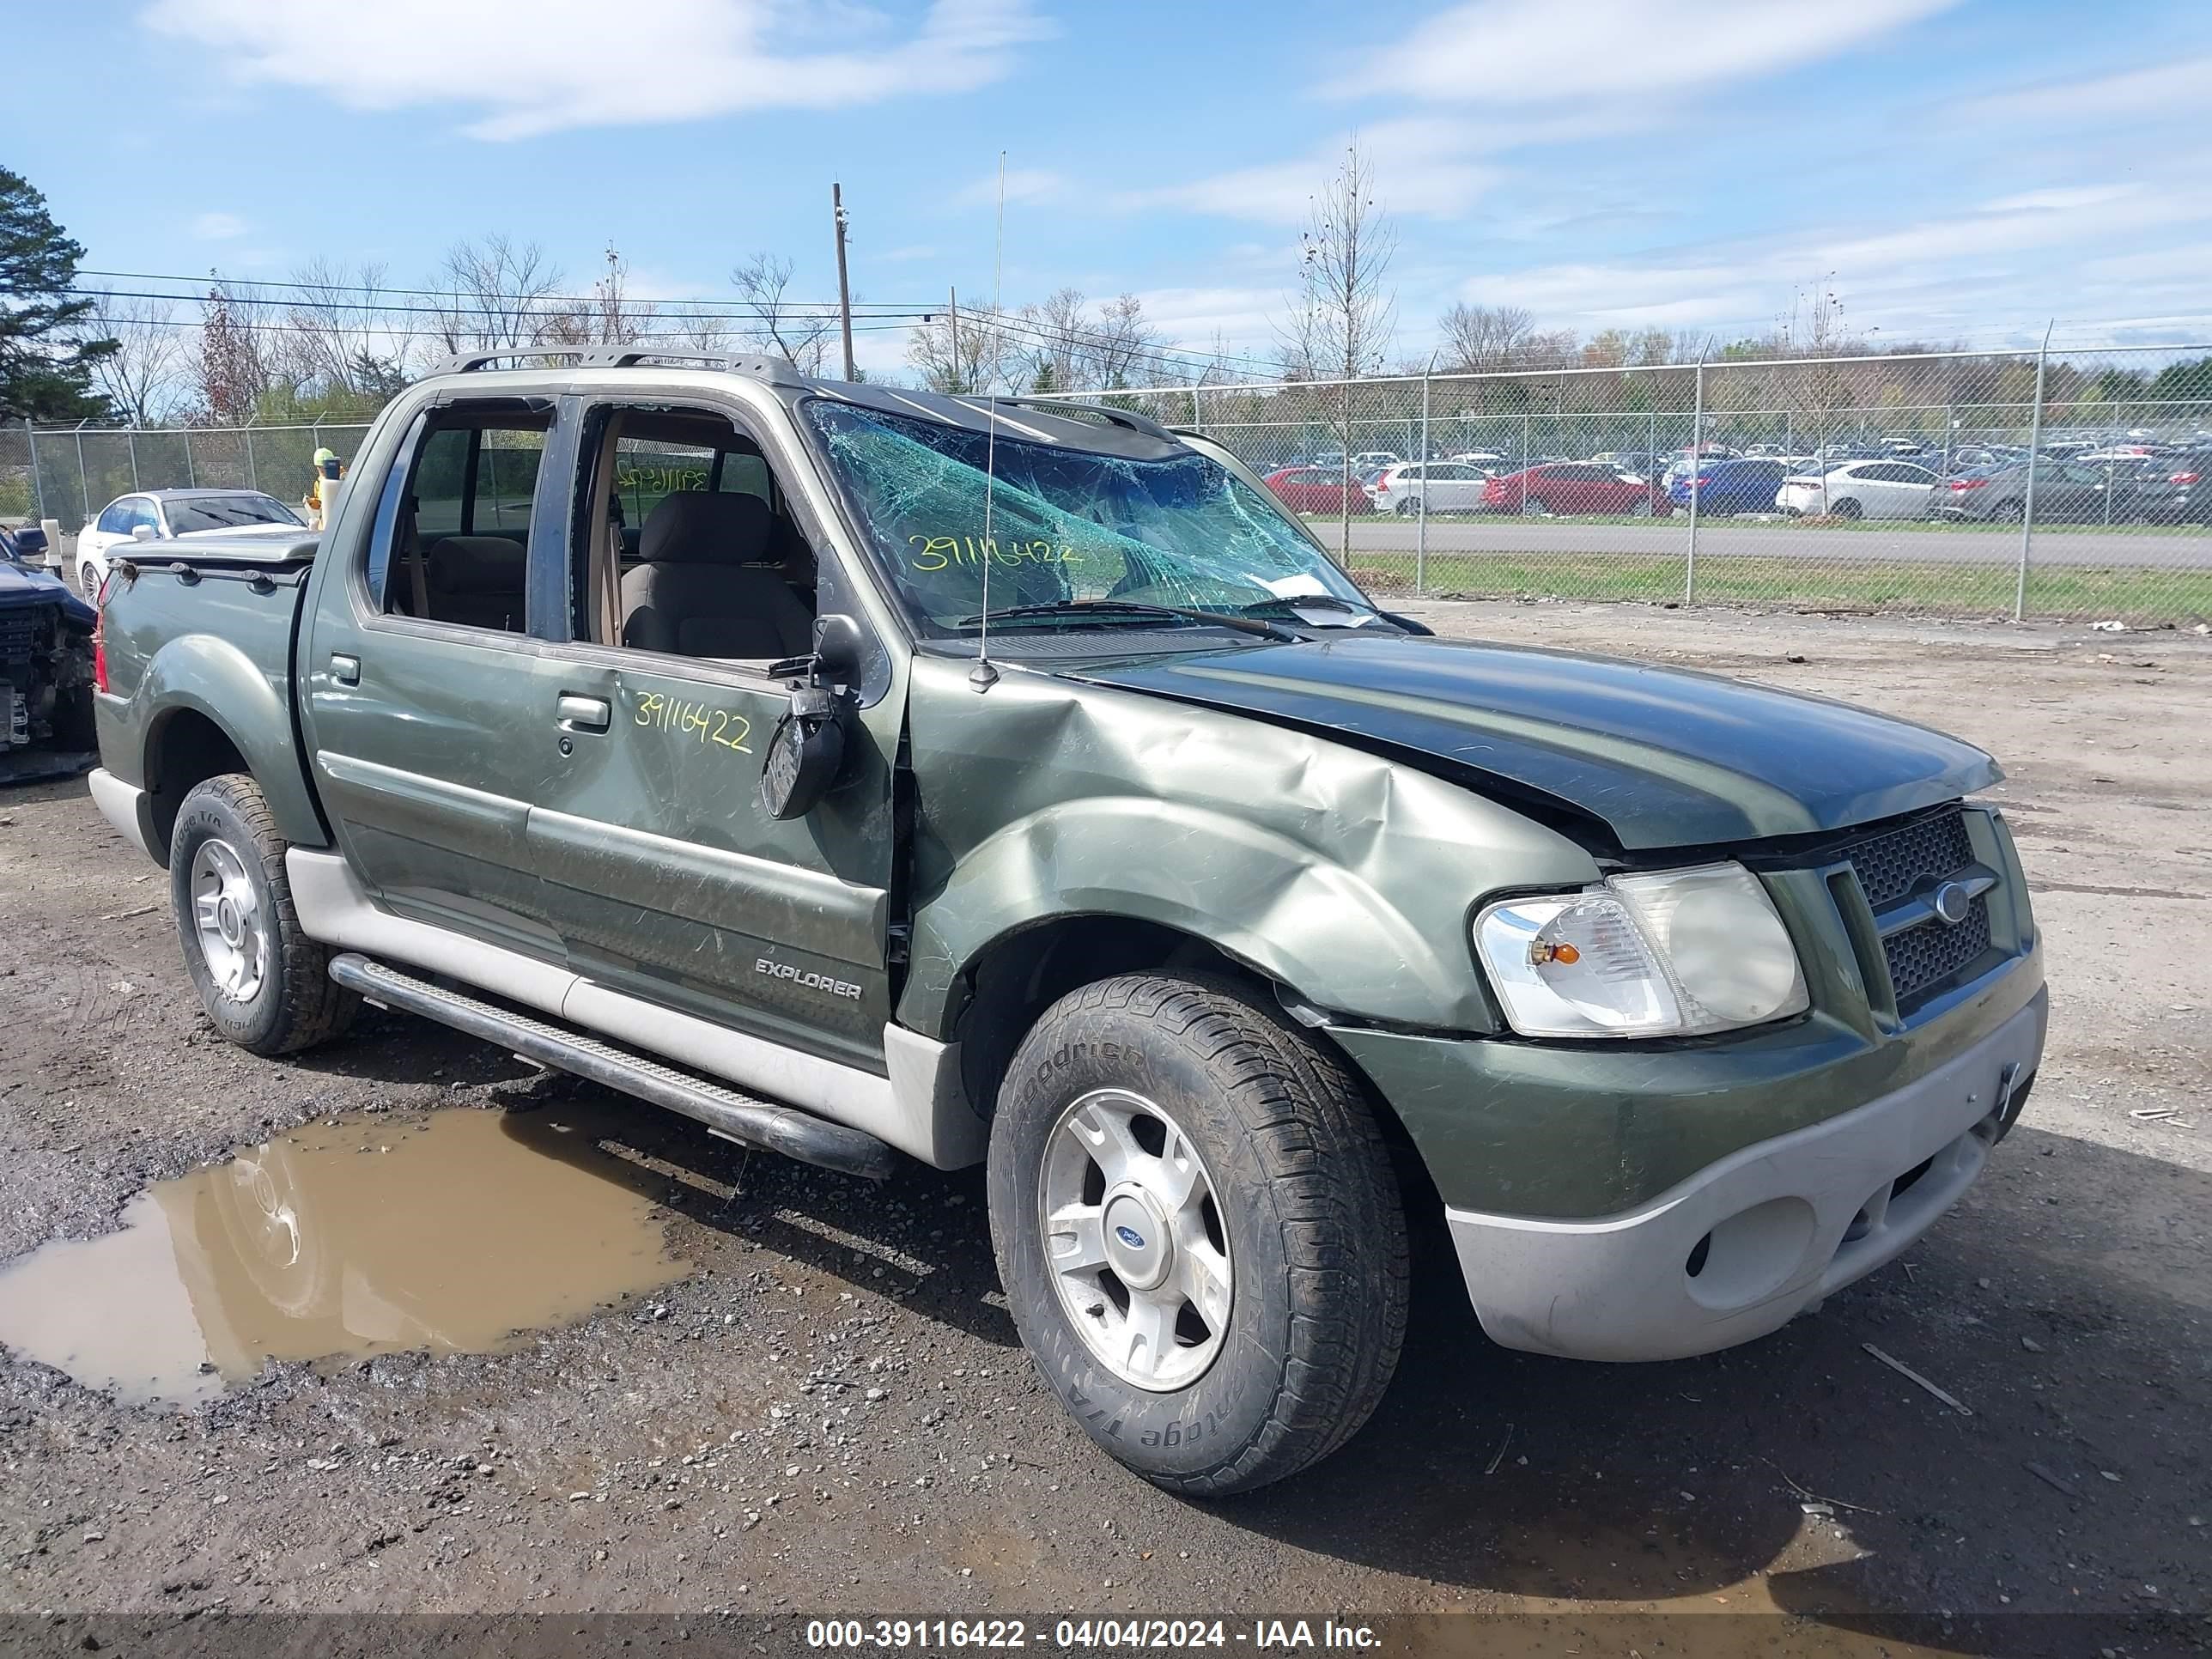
(872, 774)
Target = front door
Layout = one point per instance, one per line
(665, 877)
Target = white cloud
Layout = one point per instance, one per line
(2161, 89)
(217, 226)
(539, 66)
(1023, 185)
(1569, 52)
(2011, 256)
(1424, 166)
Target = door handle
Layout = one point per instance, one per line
(582, 713)
(344, 669)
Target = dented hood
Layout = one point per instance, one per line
(1663, 758)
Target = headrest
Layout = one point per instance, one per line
(699, 526)
(476, 564)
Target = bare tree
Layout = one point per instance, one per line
(608, 317)
(1342, 313)
(1125, 344)
(778, 323)
(1055, 329)
(497, 295)
(981, 357)
(337, 338)
(232, 372)
(1481, 338)
(143, 376)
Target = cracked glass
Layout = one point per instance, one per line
(1064, 525)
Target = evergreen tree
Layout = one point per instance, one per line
(46, 361)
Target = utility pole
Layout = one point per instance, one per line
(844, 291)
(952, 305)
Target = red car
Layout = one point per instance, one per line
(1575, 487)
(1316, 490)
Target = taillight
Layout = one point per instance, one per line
(98, 659)
(1970, 483)
(2183, 477)
(1700, 483)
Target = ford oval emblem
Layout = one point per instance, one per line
(1952, 903)
(1130, 1236)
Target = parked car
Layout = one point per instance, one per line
(1860, 489)
(1317, 490)
(1745, 486)
(165, 514)
(1445, 486)
(1685, 1002)
(1482, 458)
(2066, 492)
(1560, 487)
(45, 666)
(2177, 489)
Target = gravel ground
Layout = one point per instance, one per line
(828, 1411)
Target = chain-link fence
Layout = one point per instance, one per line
(70, 473)
(2057, 484)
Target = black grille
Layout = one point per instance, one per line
(1891, 865)
(19, 633)
(1931, 953)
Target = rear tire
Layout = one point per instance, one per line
(1289, 1230)
(1847, 509)
(265, 984)
(1410, 508)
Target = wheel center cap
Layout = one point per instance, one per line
(1137, 1242)
(226, 919)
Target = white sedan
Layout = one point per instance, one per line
(1859, 490)
(160, 515)
(1446, 486)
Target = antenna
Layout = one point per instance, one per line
(983, 676)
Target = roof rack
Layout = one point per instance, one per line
(780, 371)
(1121, 418)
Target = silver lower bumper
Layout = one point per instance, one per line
(1741, 1247)
(123, 806)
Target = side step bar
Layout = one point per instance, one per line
(724, 1111)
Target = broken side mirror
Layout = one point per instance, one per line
(804, 753)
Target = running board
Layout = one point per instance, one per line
(724, 1111)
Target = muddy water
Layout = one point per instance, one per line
(462, 1231)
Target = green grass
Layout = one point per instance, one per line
(2054, 591)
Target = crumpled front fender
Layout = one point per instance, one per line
(1345, 876)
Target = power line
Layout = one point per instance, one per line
(299, 295)
(200, 284)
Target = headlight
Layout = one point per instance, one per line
(1672, 955)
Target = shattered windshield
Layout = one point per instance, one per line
(1065, 526)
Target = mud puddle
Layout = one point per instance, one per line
(460, 1232)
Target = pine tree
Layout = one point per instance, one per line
(46, 361)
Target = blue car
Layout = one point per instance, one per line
(1745, 486)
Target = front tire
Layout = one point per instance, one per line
(1198, 1231)
(265, 984)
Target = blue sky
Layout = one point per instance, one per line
(1966, 169)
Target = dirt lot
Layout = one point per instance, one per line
(825, 1410)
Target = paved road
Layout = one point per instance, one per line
(1751, 539)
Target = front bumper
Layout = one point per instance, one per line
(1738, 1248)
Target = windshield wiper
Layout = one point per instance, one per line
(1230, 619)
(1298, 602)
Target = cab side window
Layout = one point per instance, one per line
(698, 553)
(452, 539)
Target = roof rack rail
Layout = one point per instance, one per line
(780, 371)
(1121, 418)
